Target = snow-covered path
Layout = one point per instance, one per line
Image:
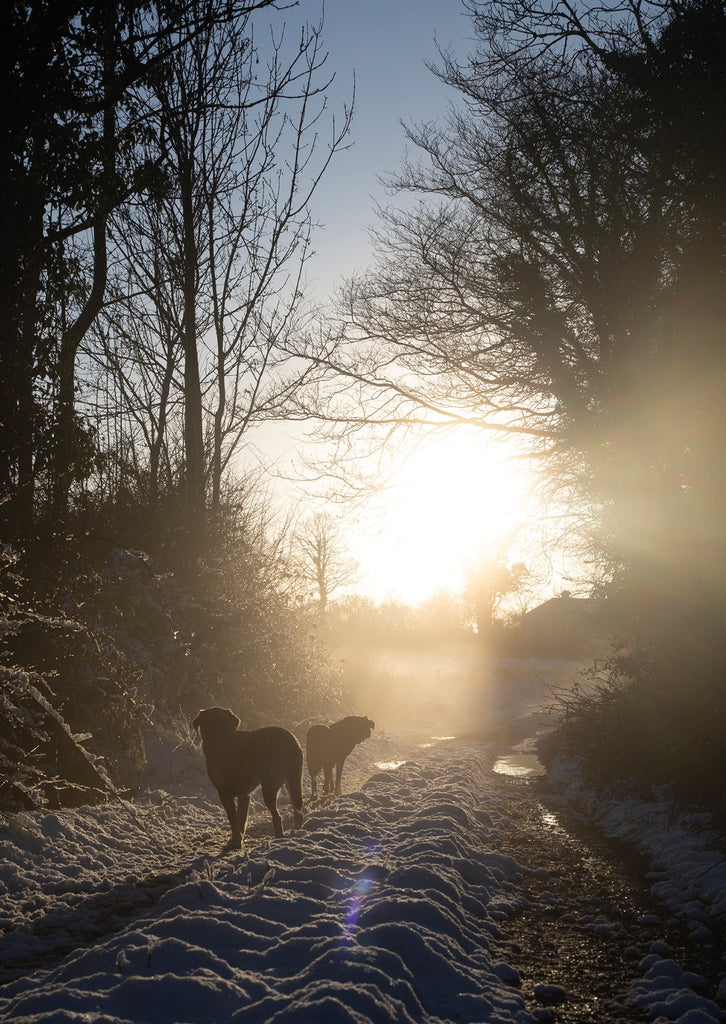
(68, 878)
(405, 900)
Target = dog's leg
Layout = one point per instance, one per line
(313, 785)
(227, 798)
(242, 812)
(294, 783)
(338, 776)
(328, 788)
(269, 795)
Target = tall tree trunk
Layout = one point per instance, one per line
(70, 343)
(158, 441)
(159, 437)
(73, 336)
(217, 453)
(19, 292)
(193, 428)
(218, 421)
(23, 407)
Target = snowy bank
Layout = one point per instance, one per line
(386, 907)
(377, 910)
(686, 854)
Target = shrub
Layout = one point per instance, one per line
(646, 720)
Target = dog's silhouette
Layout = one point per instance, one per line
(238, 762)
(327, 747)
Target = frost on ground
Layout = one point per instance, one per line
(390, 905)
(377, 910)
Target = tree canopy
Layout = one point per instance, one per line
(159, 164)
(556, 273)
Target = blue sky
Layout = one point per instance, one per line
(385, 42)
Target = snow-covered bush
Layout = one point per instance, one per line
(41, 761)
(126, 653)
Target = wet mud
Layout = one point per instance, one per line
(587, 917)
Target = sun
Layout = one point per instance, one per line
(453, 497)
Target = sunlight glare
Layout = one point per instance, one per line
(453, 498)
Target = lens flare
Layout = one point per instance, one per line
(360, 890)
(372, 849)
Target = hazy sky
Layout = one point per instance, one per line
(451, 499)
(416, 537)
(385, 42)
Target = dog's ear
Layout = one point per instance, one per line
(198, 721)
(233, 722)
(371, 724)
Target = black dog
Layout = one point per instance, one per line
(238, 762)
(329, 745)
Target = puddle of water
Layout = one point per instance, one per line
(552, 822)
(521, 766)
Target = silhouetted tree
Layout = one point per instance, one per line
(323, 560)
(488, 581)
(214, 267)
(72, 75)
(561, 278)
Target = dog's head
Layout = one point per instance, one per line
(211, 722)
(361, 727)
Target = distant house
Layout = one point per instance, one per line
(565, 627)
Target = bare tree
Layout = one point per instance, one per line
(74, 133)
(214, 267)
(323, 561)
(549, 284)
(263, 163)
(489, 581)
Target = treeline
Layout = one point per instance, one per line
(158, 165)
(157, 169)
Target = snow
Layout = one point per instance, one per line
(385, 907)
(688, 868)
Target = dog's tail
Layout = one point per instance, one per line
(294, 788)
